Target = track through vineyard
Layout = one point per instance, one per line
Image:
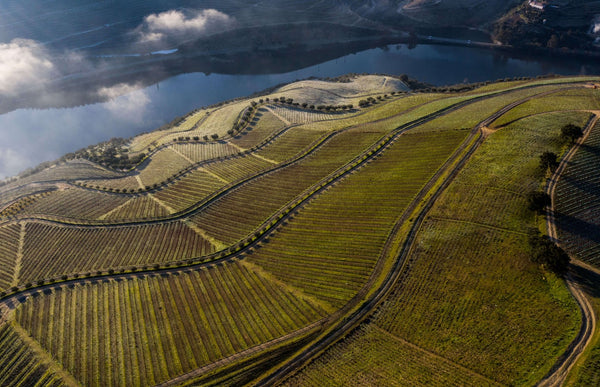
(259, 254)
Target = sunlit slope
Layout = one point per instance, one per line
(215, 260)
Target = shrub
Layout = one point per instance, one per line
(538, 201)
(548, 160)
(571, 132)
(548, 254)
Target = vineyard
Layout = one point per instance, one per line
(455, 300)
(578, 201)
(291, 239)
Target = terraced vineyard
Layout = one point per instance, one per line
(385, 244)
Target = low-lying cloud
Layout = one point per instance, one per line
(174, 23)
(24, 64)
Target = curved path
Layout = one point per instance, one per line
(345, 322)
(350, 322)
(562, 367)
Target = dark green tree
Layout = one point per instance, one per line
(546, 253)
(538, 201)
(571, 132)
(549, 160)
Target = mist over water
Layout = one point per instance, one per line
(33, 136)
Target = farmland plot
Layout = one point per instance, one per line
(241, 211)
(70, 170)
(9, 248)
(267, 124)
(21, 366)
(51, 251)
(147, 331)
(329, 249)
(75, 203)
(469, 275)
(200, 151)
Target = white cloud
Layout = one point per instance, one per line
(193, 24)
(24, 64)
(126, 102)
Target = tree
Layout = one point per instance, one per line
(214, 136)
(538, 201)
(571, 132)
(548, 254)
(549, 160)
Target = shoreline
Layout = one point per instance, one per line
(80, 88)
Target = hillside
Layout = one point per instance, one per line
(346, 231)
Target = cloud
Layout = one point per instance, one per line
(596, 25)
(126, 102)
(157, 27)
(24, 64)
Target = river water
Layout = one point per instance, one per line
(33, 136)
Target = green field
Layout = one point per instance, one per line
(380, 245)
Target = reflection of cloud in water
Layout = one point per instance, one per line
(24, 64)
(29, 137)
(126, 102)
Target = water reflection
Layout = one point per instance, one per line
(32, 136)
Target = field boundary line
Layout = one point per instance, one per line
(544, 113)
(242, 150)
(162, 204)
(281, 118)
(216, 243)
(45, 357)
(202, 169)
(104, 216)
(181, 154)
(489, 226)
(435, 355)
(563, 366)
(240, 355)
(261, 272)
(139, 180)
(19, 257)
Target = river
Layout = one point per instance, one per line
(33, 136)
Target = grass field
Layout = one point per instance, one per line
(215, 261)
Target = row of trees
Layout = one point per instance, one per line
(543, 250)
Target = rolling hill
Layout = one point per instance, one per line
(337, 232)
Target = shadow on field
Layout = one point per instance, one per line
(578, 227)
(593, 149)
(587, 279)
(591, 188)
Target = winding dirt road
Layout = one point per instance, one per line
(559, 372)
